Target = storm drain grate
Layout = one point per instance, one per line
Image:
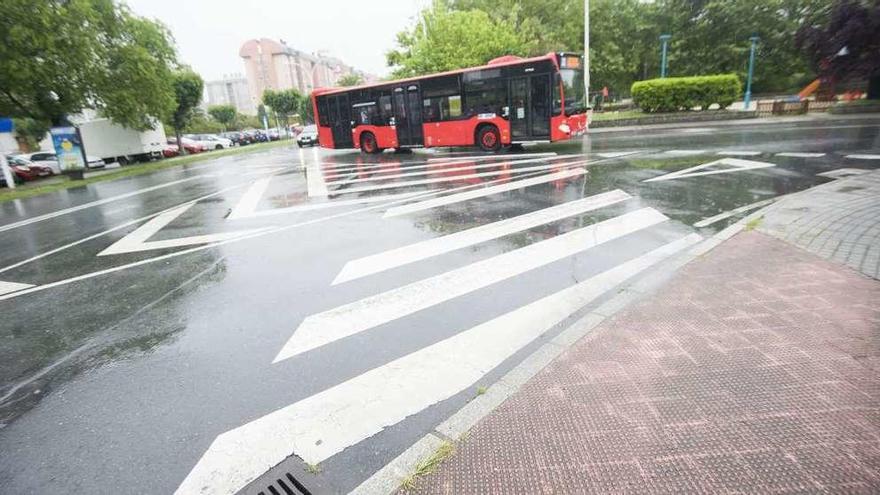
(286, 486)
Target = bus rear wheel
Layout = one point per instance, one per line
(369, 144)
(488, 138)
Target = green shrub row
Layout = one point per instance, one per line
(672, 94)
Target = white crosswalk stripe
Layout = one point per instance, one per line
(346, 320)
(438, 180)
(431, 162)
(437, 170)
(326, 423)
(369, 265)
(482, 192)
(729, 164)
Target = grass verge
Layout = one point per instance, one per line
(428, 465)
(36, 188)
(617, 115)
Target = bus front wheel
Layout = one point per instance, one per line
(488, 138)
(369, 144)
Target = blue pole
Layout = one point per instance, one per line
(748, 96)
(665, 39)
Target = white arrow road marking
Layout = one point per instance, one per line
(326, 423)
(247, 205)
(406, 173)
(433, 247)
(8, 287)
(685, 152)
(457, 178)
(736, 211)
(735, 165)
(616, 154)
(482, 192)
(864, 157)
(65, 211)
(738, 153)
(346, 320)
(843, 172)
(138, 240)
(800, 155)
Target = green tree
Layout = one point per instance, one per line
(444, 39)
(29, 132)
(225, 114)
(188, 87)
(57, 58)
(350, 80)
(284, 103)
(306, 111)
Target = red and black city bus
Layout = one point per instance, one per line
(509, 100)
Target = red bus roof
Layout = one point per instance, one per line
(505, 61)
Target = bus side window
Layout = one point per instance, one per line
(385, 111)
(323, 119)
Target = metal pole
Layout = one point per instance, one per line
(664, 39)
(586, 51)
(7, 173)
(748, 97)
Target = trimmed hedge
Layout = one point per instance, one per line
(672, 94)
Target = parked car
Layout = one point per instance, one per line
(233, 136)
(49, 159)
(39, 170)
(170, 151)
(210, 141)
(190, 146)
(308, 136)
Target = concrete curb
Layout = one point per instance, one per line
(387, 480)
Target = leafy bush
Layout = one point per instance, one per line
(684, 93)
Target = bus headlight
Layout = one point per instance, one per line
(565, 128)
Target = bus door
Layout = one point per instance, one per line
(408, 115)
(340, 119)
(530, 107)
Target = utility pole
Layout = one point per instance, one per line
(664, 39)
(748, 96)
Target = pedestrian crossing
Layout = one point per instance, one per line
(345, 414)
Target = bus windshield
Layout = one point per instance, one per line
(573, 85)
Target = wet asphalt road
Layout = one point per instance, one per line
(151, 320)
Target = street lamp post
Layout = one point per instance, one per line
(664, 39)
(748, 96)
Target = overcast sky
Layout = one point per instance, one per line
(210, 32)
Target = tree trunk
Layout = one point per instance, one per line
(180, 149)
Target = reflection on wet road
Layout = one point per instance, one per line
(206, 323)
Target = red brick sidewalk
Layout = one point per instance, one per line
(756, 369)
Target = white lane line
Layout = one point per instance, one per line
(734, 165)
(438, 180)
(736, 211)
(328, 422)
(115, 228)
(843, 172)
(616, 154)
(738, 153)
(686, 152)
(315, 181)
(479, 193)
(138, 240)
(394, 258)
(258, 233)
(8, 287)
(92, 204)
(247, 205)
(436, 171)
(864, 157)
(794, 154)
(322, 328)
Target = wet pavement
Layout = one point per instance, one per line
(196, 326)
